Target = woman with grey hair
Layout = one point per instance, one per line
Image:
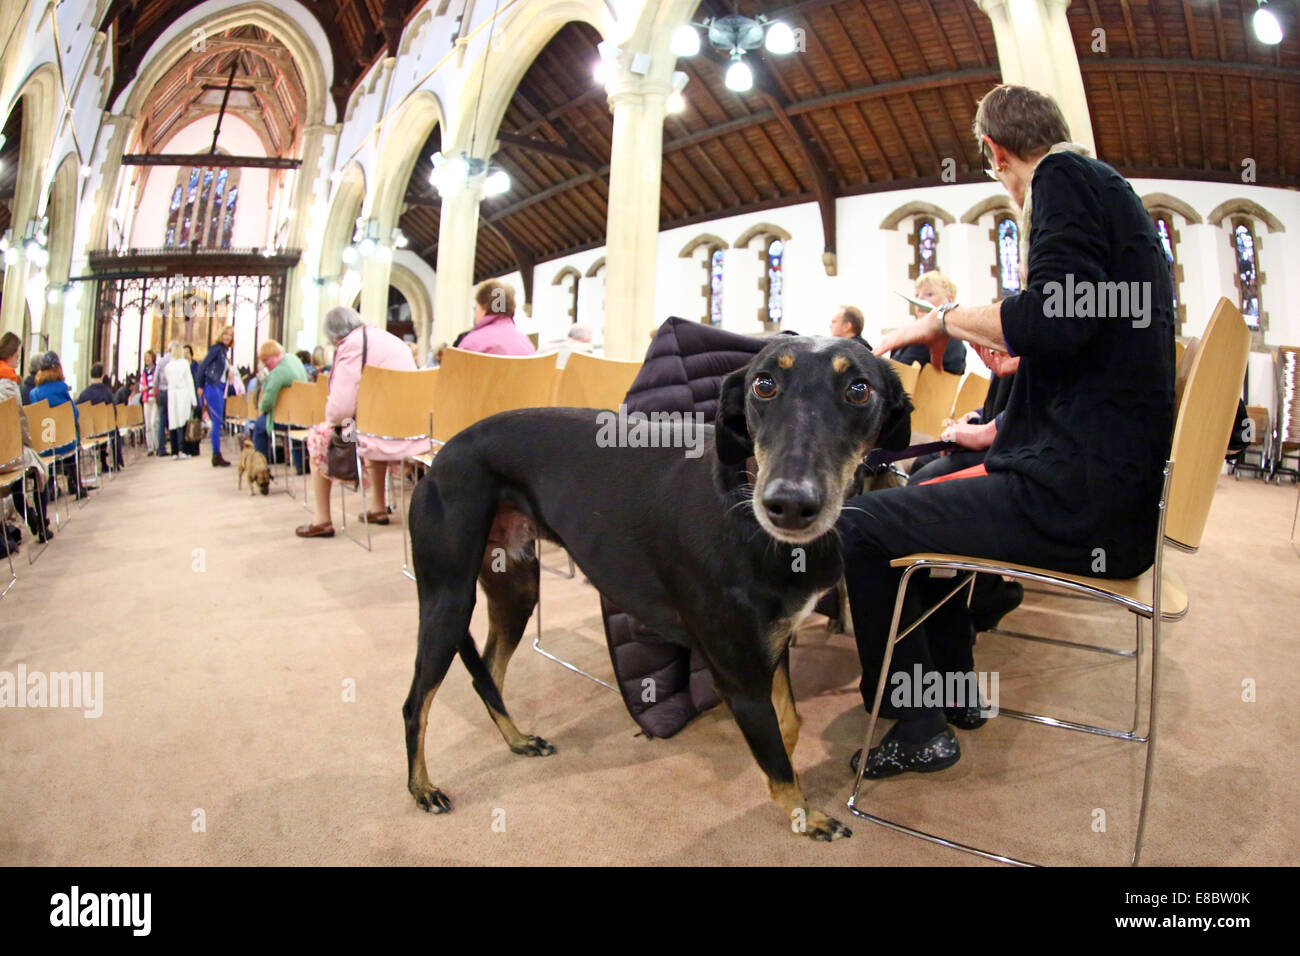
(355, 346)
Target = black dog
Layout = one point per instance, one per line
(685, 544)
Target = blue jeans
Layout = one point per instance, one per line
(214, 396)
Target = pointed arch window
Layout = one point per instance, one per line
(202, 208)
(1007, 237)
(925, 245)
(775, 291)
(714, 265)
(1246, 248)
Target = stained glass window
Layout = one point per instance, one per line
(1008, 257)
(927, 242)
(1166, 233)
(202, 207)
(1247, 273)
(775, 281)
(715, 287)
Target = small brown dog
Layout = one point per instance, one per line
(253, 463)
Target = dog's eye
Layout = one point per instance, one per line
(857, 393)
(764, 386)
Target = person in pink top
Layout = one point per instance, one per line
(351, 337)
(494, 329)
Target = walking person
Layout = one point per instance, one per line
(149, 401)
(182, 399)
(214, 374)
(160, 382)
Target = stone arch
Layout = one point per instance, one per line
(409, 127)
(349, 196)
(594, 268)
(1154, 201)
(707, 239)
(564, 274)
(523, 30)
(761, 229)
(61, 207)
(994, 204)
(1244, 207)
(417, 297)
(422, 19)
(908, 210)
(40, 97)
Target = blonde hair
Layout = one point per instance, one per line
(176, 350)
(268, 348)
(938, 281)
(496, 297)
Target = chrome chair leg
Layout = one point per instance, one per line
(41, 512)
(360, 490)
(537, 640)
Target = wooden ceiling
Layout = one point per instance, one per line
(359, 33)
(266, 91)
(883, 93)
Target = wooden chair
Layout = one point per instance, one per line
(308, 410)
(51, 428)
(393, 404)
(1200, 439)
(933, 399)
(11, 466)
(236, 413)
(590, 381)
(971, 395)
(131, 419)
(283, 414)
(907, 374)
(472, 386)
(1260, 422)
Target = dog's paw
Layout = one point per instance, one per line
(821, 827)
(431, 799)
(534, 747)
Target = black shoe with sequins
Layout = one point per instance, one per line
(892, 756)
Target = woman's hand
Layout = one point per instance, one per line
(974, 437)
(924, 331)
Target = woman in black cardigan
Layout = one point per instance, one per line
(1075, 473)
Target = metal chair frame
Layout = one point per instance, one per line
(1147, 653)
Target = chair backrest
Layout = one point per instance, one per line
(974, 389)
(591, 381)
(932, 400)
(310, 408)
(103, 418)
(236, 407)
(85, 418)
(11, 435)
(1258, 415)
(395, 404)
(130, 416)
(286, 404)
(1204, 423)
(907, 374)
(40, 422)
(472, 386)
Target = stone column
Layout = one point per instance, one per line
(457, 241)
(309, 180)
(1036, 49)
(632, 233)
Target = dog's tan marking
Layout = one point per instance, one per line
(785, 360)
(419, 773)
(840, 363)
(783, 702)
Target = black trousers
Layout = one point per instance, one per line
(980, 517)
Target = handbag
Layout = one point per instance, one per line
(341, 456)
(194, 430)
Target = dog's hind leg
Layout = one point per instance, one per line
(431, 663)
(783, 703)
(510, 581)
(758, 722)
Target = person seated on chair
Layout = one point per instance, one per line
(1067, 473)
(356, 344)
(98, 392)
(935, 288)
(976, 429)
(494, 329)
(281, 369)
(848, 323)
(10, 387)
(51, 387)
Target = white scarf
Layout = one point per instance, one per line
(1025, 210)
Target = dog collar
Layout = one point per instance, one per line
(879, 458)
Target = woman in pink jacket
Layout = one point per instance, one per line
(351, 336)
(494, 329)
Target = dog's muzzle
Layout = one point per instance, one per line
(792, 506)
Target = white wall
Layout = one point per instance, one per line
(253, 208)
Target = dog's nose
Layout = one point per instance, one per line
(792, 505)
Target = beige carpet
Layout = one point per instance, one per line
(226, 644)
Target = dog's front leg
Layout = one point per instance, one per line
(758, 722)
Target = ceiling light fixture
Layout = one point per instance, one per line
(735, 35)
(1267, 28)
(676, 101)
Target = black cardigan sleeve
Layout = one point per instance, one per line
(1068, 238)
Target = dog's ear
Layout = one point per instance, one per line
(896, 428)
(732, 441)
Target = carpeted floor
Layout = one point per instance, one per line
(229, 649)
